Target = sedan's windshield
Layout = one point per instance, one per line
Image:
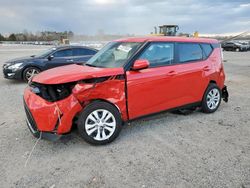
(45, 53)
(114, 54)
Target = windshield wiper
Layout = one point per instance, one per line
(90, 65)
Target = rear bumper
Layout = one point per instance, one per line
(49, 119)
(225, 94)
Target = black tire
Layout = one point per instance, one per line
(27, 70)
(206, 108)
(86, 113)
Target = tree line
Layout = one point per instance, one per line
(38, 36)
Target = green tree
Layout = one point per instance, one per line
(12, 37)
(1, 37)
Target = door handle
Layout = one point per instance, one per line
(206, 68)
(70, 60)
(171, 73)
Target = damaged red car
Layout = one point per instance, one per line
(127, 79)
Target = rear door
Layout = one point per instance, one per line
(191, 66)
(60, 58)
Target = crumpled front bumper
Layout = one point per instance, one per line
(50, 117)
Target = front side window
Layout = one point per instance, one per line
(159, 54)
(63, 53)
(114, 54)
(189, 52)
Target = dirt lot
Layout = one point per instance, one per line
(167, 150)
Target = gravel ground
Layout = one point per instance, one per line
(166, 150)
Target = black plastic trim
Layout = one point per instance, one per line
(195, 104)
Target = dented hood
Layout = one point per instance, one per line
(71, 73)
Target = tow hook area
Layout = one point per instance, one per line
(225, 94)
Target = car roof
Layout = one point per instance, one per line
(167, 39)
(73, 46)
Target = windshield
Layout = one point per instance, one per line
(114, 54)
(45, 53)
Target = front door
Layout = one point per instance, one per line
(152, 90)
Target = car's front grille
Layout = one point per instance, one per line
(30, 120)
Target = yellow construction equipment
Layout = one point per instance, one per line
(166, 30)
(171, 30)
(196, 34)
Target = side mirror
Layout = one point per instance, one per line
(140, 64)
(50, 57)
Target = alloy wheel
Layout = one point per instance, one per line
(213, 98)
(100, 124)
(30, 73)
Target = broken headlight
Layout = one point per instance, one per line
(51, 92)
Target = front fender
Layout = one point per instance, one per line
(111, 90)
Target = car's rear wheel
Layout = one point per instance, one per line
(29, 72)
(211, 99)
(99, 123)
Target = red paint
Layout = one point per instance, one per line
(111, 90)
(140, 64)
(168, 39)
(46, 113)
(149, 90)
(71, 73)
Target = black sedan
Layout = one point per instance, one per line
(234, 46)
(25, 68)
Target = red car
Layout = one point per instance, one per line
(127, 79)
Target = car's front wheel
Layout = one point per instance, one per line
(211, 99)
(29, 72)
(237, 49)
(99, 123)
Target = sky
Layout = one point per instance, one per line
(124, 16)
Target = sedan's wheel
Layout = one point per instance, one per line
(30, 72)
(211, 99)
(237, 49)
(99, 123)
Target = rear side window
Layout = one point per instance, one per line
(189, 52)
(207, 48)
(159, 54)
(82, 52)
(63, 53)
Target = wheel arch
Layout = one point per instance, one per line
(30, 66)
(103, 100)
(212, 82)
